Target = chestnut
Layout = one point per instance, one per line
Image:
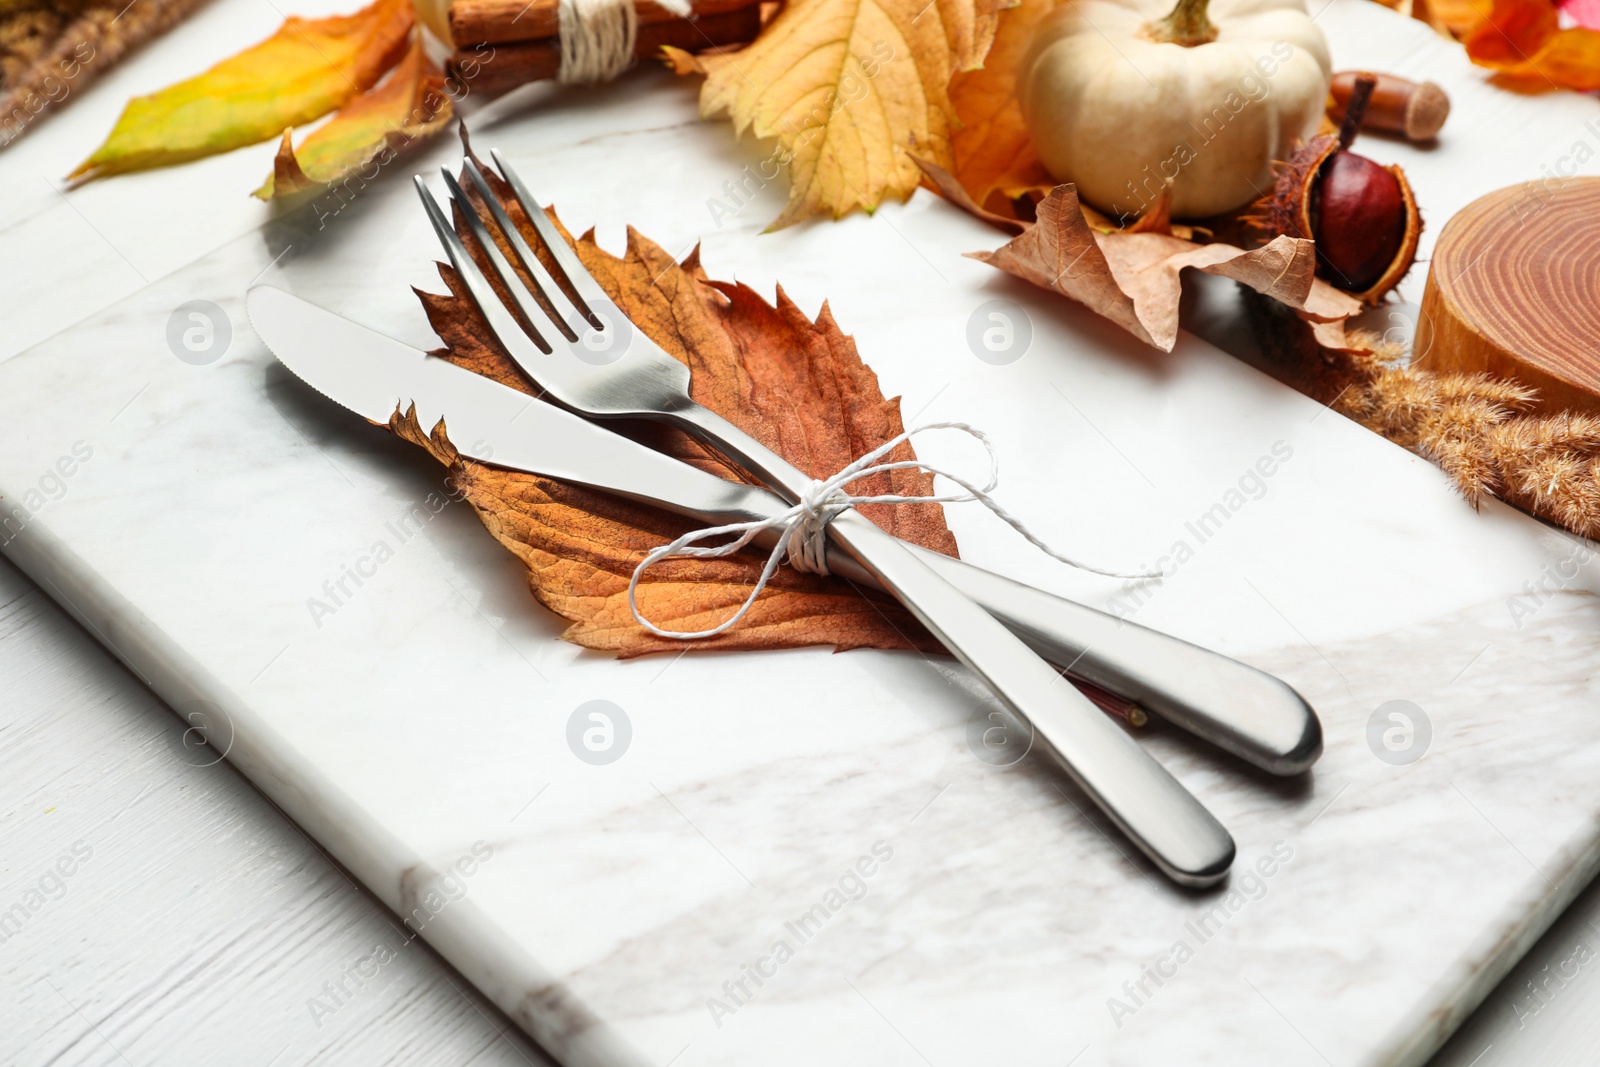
(1361, 215)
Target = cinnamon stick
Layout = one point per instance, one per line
(497, 21)
(492, 69)
(1415, 111)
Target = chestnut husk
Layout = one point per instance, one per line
(1288, 208)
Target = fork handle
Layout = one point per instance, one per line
(1151, 807)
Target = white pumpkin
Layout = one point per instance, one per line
(1121, 96)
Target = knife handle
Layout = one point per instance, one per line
(1242, 710)
(1150, 806)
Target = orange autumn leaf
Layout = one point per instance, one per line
(1571, 59)
(1514, 32)
(795, 383)
(1455, 18)
(1449, 18)
(849, 89)
(1524, 41)
(369, 130)
(302, 72)
(992, 154)
(950, 187)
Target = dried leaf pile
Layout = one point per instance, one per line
(795, 383)
(859, 93)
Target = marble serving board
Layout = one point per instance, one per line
(798, 858)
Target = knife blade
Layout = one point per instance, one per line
(1238, 708)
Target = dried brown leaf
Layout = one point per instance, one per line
(1133, 278)
(793, 382)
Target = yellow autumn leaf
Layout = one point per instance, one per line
(850, 90)
(302, 72)
(370, 129)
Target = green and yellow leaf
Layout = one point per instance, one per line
(302, 72)
(371, 128)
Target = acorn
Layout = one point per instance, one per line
(1361, 215)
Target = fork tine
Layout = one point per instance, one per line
(501, 322)
(589, 292)
(546, 286)
(529, 307)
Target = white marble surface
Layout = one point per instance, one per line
(70, 254)
(433, 705)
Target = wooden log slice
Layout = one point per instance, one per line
(1514, 290)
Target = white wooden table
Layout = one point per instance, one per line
(154, 907)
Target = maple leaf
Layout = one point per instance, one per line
(302, 72)
(795, 383)
(992, 153)
(371, 128)
(848, 88)
(1132, 277)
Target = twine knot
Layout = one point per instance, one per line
(805, 543)
(803, 528)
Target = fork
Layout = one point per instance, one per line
(1163, 819)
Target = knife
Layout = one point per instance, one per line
(1236, 707)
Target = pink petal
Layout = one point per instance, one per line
(1584, 13)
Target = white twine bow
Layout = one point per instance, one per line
(803, 539)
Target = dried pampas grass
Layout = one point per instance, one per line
(1476, 428)
(51, 49)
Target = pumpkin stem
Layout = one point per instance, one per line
(1186, 25)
